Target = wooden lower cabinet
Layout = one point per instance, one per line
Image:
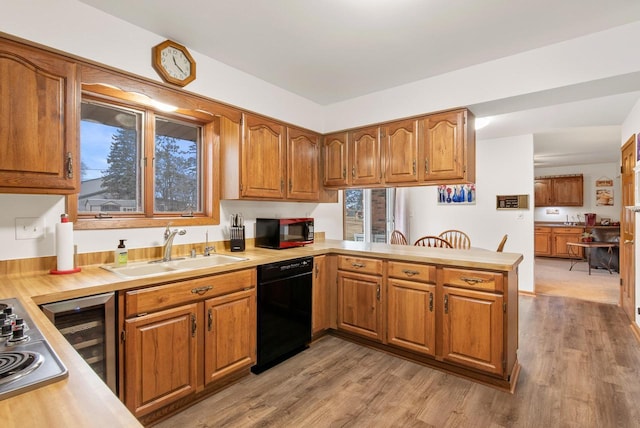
(411, 311)
(360, 296)
(320, 288)
(463, 320)
(230, 336)
(184, 340)
(411, 316)
(160, 358)
(552, 241)
(359, 309)
(472, 324)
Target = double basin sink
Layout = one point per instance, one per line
(155, 268)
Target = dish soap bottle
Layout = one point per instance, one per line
(121, 255)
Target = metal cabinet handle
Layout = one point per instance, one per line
(446, 303)
(209, 319)
(410, 272)
(201, 290)
(69, 165)
(430, 302)
(628, 241)
(426, 166)
(472, 281)
(317, 271)
(358, 265)
(414, 167)
(193, 325)
(378, 292)
(353, 172)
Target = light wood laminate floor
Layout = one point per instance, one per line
(579, 361)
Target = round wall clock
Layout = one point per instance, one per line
(174, 63)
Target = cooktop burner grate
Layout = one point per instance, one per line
(14, 365)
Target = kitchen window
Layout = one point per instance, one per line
(144, 164)
(368, 214)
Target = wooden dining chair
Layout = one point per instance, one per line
(398, 237)
(457, 238)
(501, 245)
(433, 241)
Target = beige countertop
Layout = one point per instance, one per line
(82, 399)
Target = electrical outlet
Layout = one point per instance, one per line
(29, 228)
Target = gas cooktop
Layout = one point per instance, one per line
(27, 361)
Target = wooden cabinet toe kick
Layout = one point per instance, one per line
(507, 383)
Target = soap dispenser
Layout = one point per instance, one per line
(121, 256)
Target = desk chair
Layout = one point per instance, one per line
(457, 238)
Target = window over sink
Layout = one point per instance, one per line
(144, 163)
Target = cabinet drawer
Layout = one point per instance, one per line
(576, 230)
(542, 229)
(475, 279)
(413, 272)
(359, 264)
(164, 296)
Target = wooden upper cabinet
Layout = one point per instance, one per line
(335, 159)
(263, 158)
(303, 165)
(542, 191)
(400, 141)
(447, 147)
(364, 156)
(563, 191)
(38, 121)
(568, 191)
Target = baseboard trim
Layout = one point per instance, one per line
(636, 331)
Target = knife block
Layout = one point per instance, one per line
(236, 235)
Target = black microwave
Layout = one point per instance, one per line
(282, 233)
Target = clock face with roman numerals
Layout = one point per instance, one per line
(173, 63)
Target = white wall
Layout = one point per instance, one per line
(590, 173)
(631, 126)
(503, 167)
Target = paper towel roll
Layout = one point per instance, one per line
(64, 246)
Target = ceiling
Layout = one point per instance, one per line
(332, 50)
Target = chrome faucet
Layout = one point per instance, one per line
(208, 248)
(168, 241)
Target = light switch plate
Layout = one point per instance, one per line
(29, 228)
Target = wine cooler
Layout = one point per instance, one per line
(88, 324)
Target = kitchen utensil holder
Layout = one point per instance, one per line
(236, 235)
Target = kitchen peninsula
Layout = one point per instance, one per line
(433, 294)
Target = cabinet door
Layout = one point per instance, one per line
(320, 311)
(568, 191)
(365, 156)
(542, 191)
(443, 146)
(411, 316)
(473, 332)
(38, 121)
(542, 241)
(303, 163)
(230, 334)
(335, 159)
(160, 358)
(560, 238)
(263, 158)
(401, 151)
(359, 304)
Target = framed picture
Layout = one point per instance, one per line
(604, 197)
(458, 194)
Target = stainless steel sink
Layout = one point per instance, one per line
(147, 269)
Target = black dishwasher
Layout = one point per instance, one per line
(284, 311)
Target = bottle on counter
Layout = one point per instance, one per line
(121, 254)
